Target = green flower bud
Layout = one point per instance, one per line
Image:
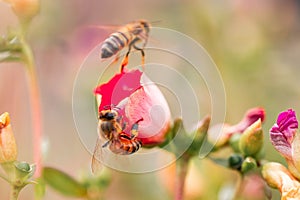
(251, 140)
(235, 161)
(235, 142)
(248, 164)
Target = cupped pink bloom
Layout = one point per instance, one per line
(137, 99)
(227, 130)
(282, 133)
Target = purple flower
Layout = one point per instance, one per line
(282, 133)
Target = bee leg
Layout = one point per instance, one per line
(125, 60)
(117, 58)
(124, 126)
(134, 128)
(143, 55)
(105, 144)
(119, 119)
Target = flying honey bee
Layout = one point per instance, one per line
(111, 128)
(127, 36)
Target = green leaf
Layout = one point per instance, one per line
(39, 189)
(63, 183)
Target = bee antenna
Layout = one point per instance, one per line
(107, 107)
(156, 22)
(142, 119)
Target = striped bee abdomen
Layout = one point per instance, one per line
(125, 145)
(114, 43)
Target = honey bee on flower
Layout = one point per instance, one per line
(111, 129)
(132, 123)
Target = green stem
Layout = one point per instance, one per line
(14, 192)
(34, 99)
(181, 172)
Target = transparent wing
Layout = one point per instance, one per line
(110, 28)
(96, 164)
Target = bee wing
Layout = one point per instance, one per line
(96, 159)
(105, 27)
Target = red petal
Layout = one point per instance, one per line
(118, 88)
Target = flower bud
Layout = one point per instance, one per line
(8, 147)
(251, 140)
(220, 134)
(25, 9)
(248, 164)
(235, 161)
(235, 142)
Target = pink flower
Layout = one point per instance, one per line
(282, 133)
(136, 98)
(286, 141)
(251, 116)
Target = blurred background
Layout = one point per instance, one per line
(255, 45)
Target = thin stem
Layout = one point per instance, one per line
(181, 172)
(238, 186)
(35, 102)
(14, 192)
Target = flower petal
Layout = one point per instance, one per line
(118, 88)
(251, 116)
(277, 176)
(149, 104)
(282, 133)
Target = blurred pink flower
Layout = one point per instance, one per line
(251, 116)
(253, 187)
(136, 97)
(282, 133)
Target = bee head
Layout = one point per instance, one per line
(107, 115)
(146, 25)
